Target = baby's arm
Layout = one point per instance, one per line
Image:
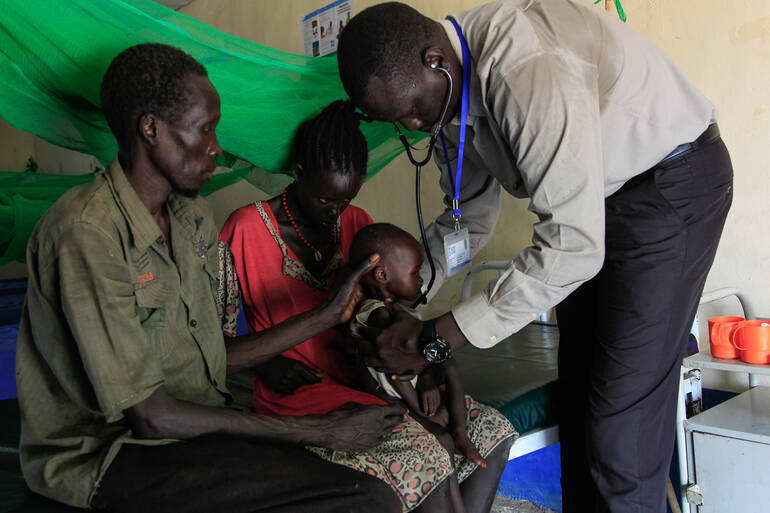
(409, 395)
(455, 398)
(430, 396)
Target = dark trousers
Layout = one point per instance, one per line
(226, 474)
(624, 332)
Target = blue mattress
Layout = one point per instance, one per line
(11, 300)
(12, 294)
(8, 335)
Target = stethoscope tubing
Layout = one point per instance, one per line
(418, 166)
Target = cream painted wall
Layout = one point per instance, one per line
(723, 46)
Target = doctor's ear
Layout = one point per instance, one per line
(434, 58)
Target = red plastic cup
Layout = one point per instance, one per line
(752, 340)
(720, 330)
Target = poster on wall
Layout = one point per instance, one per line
(321, 28)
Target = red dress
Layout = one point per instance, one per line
(275, 286)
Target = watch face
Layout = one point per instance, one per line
(437, 351)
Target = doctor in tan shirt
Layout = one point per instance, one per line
(620, 157)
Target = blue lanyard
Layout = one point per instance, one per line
(463, 125)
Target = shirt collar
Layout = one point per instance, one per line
(475, 106)
(188, 216)
(143, 226)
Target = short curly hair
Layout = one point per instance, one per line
(384, 40)
(376, 238)
(146, 78)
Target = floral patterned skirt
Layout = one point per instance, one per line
(413, 462)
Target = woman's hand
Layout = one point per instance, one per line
(395, 348)
(341, 302)
(354, 427)
(285, 375)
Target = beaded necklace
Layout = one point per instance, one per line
(317, 253)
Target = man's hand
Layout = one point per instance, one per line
(285, 375)
(341, 302)
(354, 427)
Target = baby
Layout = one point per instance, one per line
(396, 279)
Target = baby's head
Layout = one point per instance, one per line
(397, 275)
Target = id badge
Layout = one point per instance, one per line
(457, 251)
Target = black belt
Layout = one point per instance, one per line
(709, 136)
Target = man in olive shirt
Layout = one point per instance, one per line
(620, 158)
(120, 350)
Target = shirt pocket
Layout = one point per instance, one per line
(151, 299)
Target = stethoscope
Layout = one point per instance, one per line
(418, 166)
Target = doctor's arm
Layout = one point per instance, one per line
(548, 110)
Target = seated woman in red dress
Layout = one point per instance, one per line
(287, 252)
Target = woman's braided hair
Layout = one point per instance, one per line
(332, 141)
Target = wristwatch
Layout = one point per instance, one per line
(435, 349)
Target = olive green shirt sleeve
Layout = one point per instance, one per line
(99, 304)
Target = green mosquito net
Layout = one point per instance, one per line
(53, 55)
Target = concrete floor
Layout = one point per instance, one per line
(503, 504)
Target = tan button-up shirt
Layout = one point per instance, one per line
(566, 104)
(110, 316)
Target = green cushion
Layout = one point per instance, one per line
(533, 410)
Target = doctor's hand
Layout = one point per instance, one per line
(394, 349)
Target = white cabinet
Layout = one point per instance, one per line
(728, 448)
